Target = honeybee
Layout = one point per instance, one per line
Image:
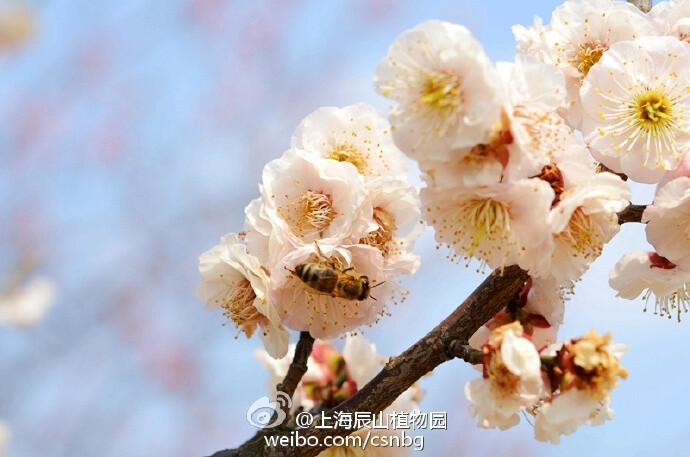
(328, 277)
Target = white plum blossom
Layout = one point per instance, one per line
(530, 41)
(445, 88)
(668, 221)
(637, 106)
(397, 215)
(565, 413)
(534, 92)
(584, 219)
(647, 273)
(356, 134)
(580, 33)
(672, 18)
(511, 381)
(26, 303)
(495, 224)
(583, 371)
(546, 297)
(233, 280)
(307, 198)
(325, 316)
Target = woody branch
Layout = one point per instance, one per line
(445, 342)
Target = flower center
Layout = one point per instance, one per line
(441, 93)
(310, 214)
(587, 55)
(583, 235)
(479, 220)
(238, 306)
(381, 238)
(349, 153)
(503, 381)
(654, 110)
(587, 364)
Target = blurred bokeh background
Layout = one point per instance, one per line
(132, 135)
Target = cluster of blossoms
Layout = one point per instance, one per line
(509, 154)
(525, 163)
(332, 377)
(628, 90)
(335, 223)
(563, 386)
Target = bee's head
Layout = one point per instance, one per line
(299, 269)
(365, 288)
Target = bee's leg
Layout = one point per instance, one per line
(291, 271)
(326, 260)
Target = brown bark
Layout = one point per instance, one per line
(438, 346)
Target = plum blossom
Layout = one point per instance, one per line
(233, 280)
(445, 87)
(356, 134)
(511, 379)
(530, 41)
(326, 316)
(539, 308)
(649, 274)
(672, 18)
(534, 91)
(579, 34)
(637, 106)
(565, 413)
(396, 212)
(581, 376)
(307, 198)
(26, 303)
(668, 221)
(583, 220)
(495, 224)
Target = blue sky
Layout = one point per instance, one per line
(133, 135)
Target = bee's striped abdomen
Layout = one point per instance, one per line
(317, 276)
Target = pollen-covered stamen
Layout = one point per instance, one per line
(649, 117)
(477, 227)
(587, 55)
(441, 93)
(654, 109)
(382, 238)
(583, 235)
(238, 306)
(504, 383)
(677, 302)
(489, 219)
(309, 214)
(546, 130)
(348, 153)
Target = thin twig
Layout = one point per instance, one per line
(403, 371)
(465, 352)
(296, 370)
